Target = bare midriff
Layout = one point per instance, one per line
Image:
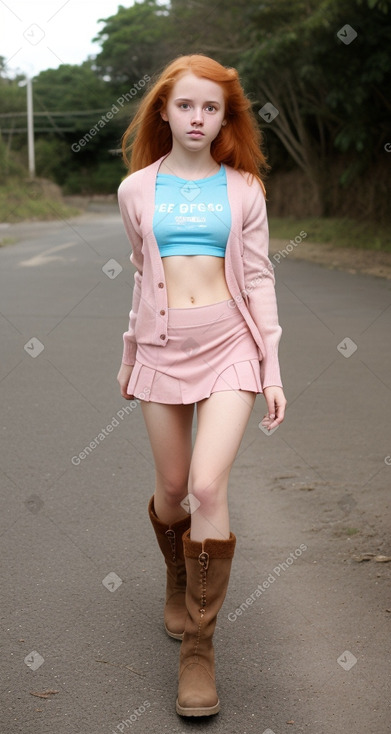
(195, 280)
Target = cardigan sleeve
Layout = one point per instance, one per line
(130, 224)
(260, 281)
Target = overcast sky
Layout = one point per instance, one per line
(42, 34)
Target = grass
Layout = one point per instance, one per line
(7, 241)
(337, 232)
(26, 202)
(351, 531)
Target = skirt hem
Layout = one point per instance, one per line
(150, 385)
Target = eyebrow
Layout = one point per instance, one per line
(208, 101)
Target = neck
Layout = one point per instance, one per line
(186, 164)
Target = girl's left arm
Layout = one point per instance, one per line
(261, 300)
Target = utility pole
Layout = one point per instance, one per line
(30, 127)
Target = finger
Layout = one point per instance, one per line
(267, 422)
(279, 417)
(126, 395)
(271, 408)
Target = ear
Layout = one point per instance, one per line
(164, 117)
(224, 123)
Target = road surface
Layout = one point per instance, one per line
(303, 639)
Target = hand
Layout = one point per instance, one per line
(123, 378)
(276, 403)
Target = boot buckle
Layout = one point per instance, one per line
(203, 559)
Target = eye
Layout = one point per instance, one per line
(211, 108)
(184, 105)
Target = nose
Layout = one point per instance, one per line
(197, 116)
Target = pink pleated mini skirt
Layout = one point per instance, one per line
(208, 349)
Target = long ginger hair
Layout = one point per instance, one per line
(238, 143)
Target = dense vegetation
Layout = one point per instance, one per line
(325, 65)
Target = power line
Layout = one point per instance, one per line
(38, 130)
(71, 113)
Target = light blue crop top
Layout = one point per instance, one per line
(192, 217)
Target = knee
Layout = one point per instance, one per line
(210, 493)
(174, 489)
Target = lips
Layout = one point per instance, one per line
(196, 133)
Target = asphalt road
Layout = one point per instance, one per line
(82, 581)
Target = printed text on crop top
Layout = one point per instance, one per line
(192, 217)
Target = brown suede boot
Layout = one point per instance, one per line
(208, 566)
(170, 542)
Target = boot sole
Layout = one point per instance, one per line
(205, 711)
(174, 635)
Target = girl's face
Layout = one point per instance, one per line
(195, 112)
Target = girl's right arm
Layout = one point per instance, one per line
(123, 378)
(129, 337)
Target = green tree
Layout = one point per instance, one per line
(328, 92)
(72, 88)
(134, 43)
(12, 99)
(142, 39)
(83, 123)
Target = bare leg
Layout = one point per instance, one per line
(222, 420)
(169, 430)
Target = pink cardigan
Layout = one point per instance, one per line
(248, 270)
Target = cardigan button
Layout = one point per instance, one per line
(161, 285)
(162, 336)
(162, 312)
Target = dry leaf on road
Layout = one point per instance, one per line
(363, 557)
(43, 694)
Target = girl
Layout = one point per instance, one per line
(203, 332)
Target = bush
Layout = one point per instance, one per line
(10, 165)
(101, 179)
